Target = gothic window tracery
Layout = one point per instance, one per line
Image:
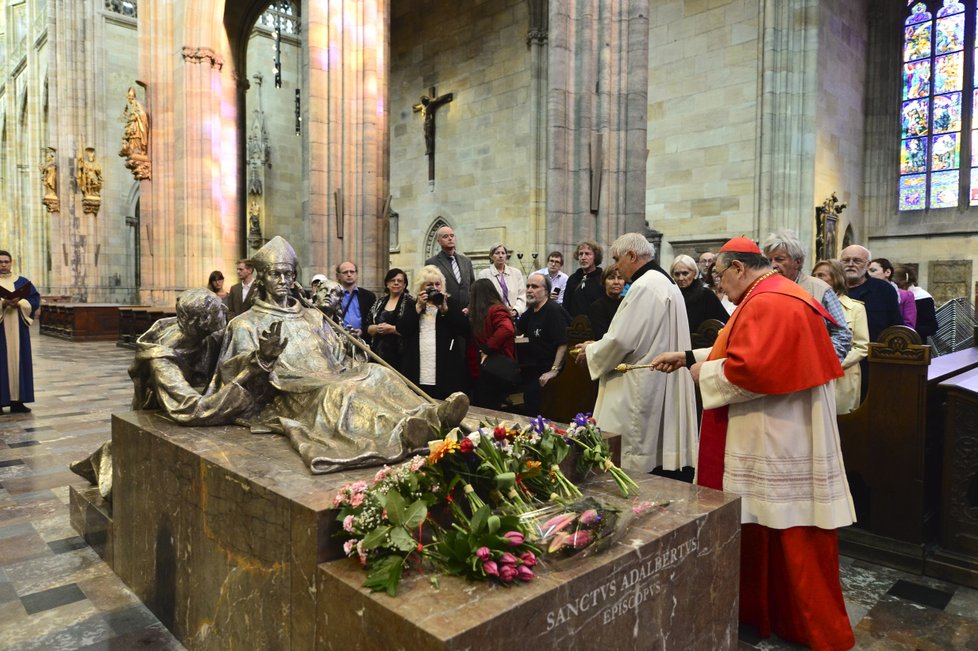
(932, 114)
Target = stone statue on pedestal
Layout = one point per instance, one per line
(173, 365)
(339, 412)
(135, 138)
(89, 177)
(49, 179)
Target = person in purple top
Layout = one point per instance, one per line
(883, 269)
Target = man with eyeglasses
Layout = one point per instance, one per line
(784, 250)
(545, 325)
(558, 279)
(879, 296)
(356, 302)
(770, 435)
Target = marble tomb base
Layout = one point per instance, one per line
(670, 583)
(226, 537)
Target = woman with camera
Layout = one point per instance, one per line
(431, 328)
(495, 336)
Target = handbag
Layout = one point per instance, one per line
(501, 370)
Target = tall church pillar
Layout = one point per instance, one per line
(598, 71)
(347, 128)
(189, 214)
(789, 83)
(72, 128)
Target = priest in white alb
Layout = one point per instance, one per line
(655, 414)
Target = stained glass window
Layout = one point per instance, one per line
(931, 109)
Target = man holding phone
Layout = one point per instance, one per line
(558, 279)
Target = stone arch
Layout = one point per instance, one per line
(431, 246)
(849, 238)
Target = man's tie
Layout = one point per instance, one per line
(456, 270)
(502, 286)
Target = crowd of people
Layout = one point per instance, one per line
(791, 354)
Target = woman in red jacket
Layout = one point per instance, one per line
(495, 335)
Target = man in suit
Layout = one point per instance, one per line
(356, 302)
(240, 296)
(457, 269)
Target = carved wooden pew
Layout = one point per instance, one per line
(892, 448)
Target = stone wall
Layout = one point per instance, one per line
(703, 118)
(839, 118)
(483, 139)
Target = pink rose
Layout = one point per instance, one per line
(348, 524)
(357, 500)
(514, 538)
(590, 518)
(483, 554)
(529, 558)
(524, 573)
(348, 547)
(490, 568)
(507, 559)
(507, 573)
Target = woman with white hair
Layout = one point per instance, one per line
(508, 281)
(701, 302)
(429, 327)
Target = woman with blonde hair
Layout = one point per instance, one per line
(429, 328)
(847, 387)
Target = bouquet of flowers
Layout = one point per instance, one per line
(583, 527)
(485, 505)
(596, 454)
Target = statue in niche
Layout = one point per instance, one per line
(338, 411)
(49, 179)
(259, 153)
(89, 178)
(254, 223)
(135, 138)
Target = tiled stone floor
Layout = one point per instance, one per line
(57, 594)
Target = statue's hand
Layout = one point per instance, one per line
(271, 344)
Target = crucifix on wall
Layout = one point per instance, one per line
(427, 107)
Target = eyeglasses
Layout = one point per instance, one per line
(852, 260)
(718, 275)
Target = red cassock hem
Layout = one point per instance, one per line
(789, 584)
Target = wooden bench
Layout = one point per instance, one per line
(81, 321)
(892, 446)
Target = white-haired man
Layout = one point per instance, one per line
(787, 255)
(655, 414)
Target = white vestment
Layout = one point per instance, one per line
(655, 413)
(782, 454)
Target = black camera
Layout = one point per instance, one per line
(435, 297)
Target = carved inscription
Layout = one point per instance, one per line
(623, 592)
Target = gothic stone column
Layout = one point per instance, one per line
(347, 131)
(190, 222)
(597, 108)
